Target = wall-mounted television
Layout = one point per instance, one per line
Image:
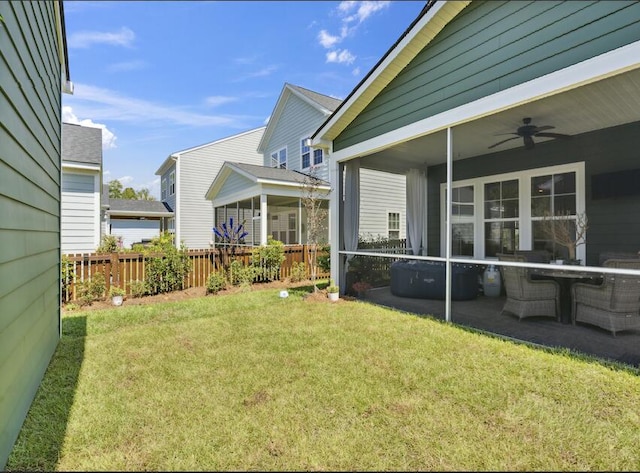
(615, 184)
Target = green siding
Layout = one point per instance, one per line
(490, 47)
(30, 127)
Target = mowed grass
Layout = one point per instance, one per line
(253, 381)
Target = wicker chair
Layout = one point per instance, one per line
(614, 305)
(526, 297)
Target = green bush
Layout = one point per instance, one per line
(216, 282)
(92, 290)
(268, 258)
(109, 244)
(324, 258)
(137, 288)
(240, 275)
(298, 271)
(67, 275)
(165, 272)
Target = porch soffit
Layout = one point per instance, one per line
(600, 93)
(424, 31)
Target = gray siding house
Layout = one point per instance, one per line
(507, 114)
(185, 177)
(297, 114)
(81, 188)
(32, 51)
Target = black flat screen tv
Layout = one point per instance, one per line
(615, 184)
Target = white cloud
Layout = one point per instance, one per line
(127, 66)
(341, 56)
(125, 180)
(327, 40)
(356, 71)
(86, 39)
(110, 105)
(217, 100)
(108, 137)
(363, 10)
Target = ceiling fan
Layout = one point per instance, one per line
(528, 131)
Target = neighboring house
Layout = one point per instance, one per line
(185, 177)
(451, 102)
(81, 188)
(277, 190)
(136, 221)
(33, 72)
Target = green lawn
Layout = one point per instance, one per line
(253, 381)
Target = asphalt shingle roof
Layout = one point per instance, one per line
(81, 144)
(142, 206)
(324, 101)
(275, 174)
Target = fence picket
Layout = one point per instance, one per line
(120, 269)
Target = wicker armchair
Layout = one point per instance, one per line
(526, 297)
(614, 305)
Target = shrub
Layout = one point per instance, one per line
(298, 271)
(109, 244)
(268, 258)
(216, 282)
(137, 288)
(67, 275)
(167, 272)
(92, 289)
(240, 275)
(324, 258)
(116, 291)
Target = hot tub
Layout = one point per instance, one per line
(426, 280)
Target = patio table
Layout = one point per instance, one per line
(566, 279)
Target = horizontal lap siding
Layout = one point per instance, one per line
(381, 193)
(80, 214)
(30, 79)
(198, 169)
(490, 47)
(298, 119)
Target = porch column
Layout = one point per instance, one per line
(448, 272)
(263, 219)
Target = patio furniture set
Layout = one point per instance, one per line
(609, 301)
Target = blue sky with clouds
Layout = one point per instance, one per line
(160, 77)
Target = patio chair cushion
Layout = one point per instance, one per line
(607, 255)
(426, 280)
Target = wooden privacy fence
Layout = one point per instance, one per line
(121, 269)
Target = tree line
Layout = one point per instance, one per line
(118, 191)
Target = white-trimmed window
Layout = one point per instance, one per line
(171, 225)
(172, 183)
(279, 159)
(393, 225)
(163, 189)
(502, 213)
(307, 153)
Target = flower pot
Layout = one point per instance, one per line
(117, 300)
(333, 296)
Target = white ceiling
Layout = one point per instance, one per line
(603, 104)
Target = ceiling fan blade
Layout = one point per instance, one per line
(503, 134)
(553, 135)
(503, 141)
(542, 128)
(528, 142)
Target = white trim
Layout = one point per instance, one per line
(399, 213)
(97, 191)
(75, 166)
(524, 213)
(137, 213)
(606, 65)
(177, 211)
(277, 153)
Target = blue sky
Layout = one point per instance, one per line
(160, 77)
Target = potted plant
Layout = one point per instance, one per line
(333, 291)
(361, 288)
(117, 295)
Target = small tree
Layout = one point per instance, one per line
(566, 230)
(268, 258)
(313, 202)
(166, 266)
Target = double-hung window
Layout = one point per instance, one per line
(163, 191)
(279, 159)
(393, 225)
(172, 183)
(307, 154)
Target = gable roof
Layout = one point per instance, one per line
(176, 155)
(141, 208)
(323, 103)
(429, 22)
(81, 144)
(262, 175)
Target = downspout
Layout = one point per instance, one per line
(176, 211)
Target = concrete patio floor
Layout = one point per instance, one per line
(484, 314)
